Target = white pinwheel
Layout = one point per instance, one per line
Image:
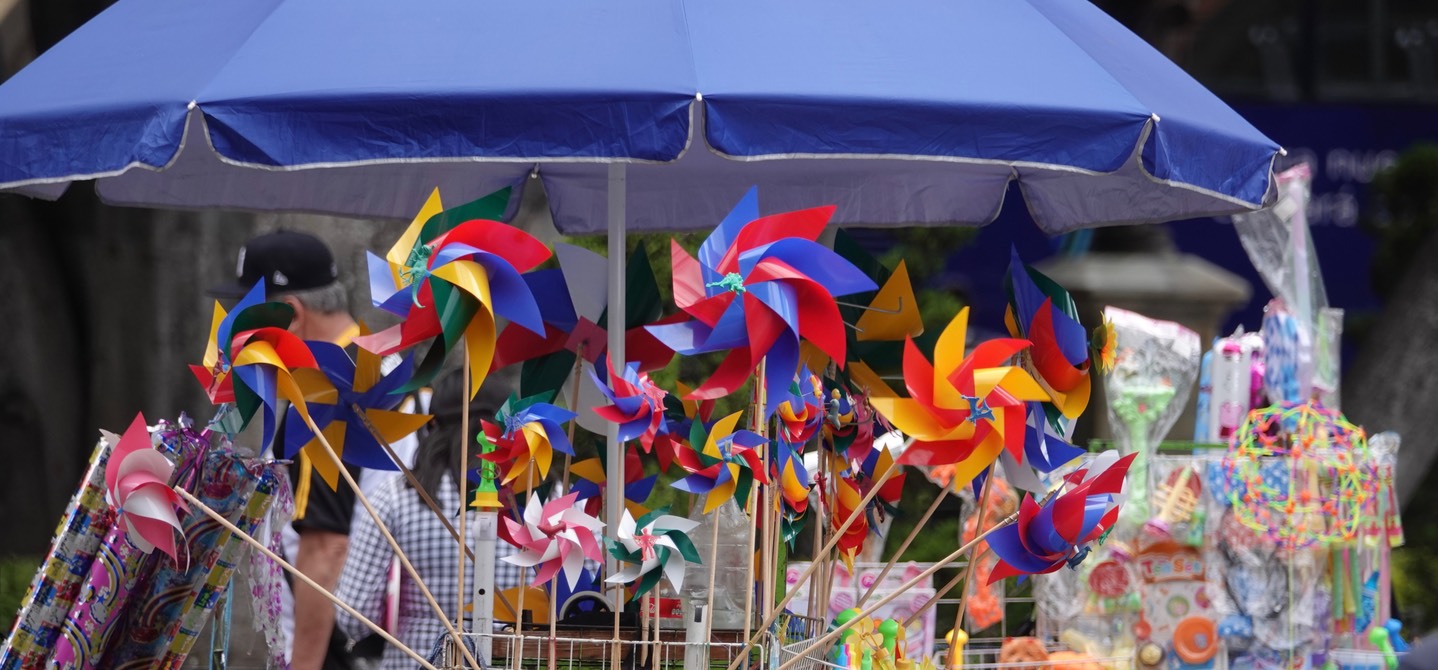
(656, 545)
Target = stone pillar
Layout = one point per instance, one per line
(1139, 269)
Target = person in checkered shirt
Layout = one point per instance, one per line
(421, 535)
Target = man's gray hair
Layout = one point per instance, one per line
(331, 299)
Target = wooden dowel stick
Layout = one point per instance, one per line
(423, 494)
(954, 660)
(378, 522)
(713, 572)
(904, 546)
(523, 584)
(394, 544)
(828, 546)
(864, 615)
(463, 486)
(260, 546)
(943, 591)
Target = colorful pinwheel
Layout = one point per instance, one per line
(574, 302)
(1043, 313)
(137, 484)
(448, 276)
(527, 436)
(801, 413)
(867, 465)
(681, 413)
(794, 486)
(590, 478)
(725, 466)
(847, 497)
(637, 405)
(653, 547)
(1047, 536)
(365, 399)
(961, 410)
(252, 344)
(556, 537)
(758, 287)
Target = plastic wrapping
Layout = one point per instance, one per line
(1279, 245)
(730, 574)
(1153, 375)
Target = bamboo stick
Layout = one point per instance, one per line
(379, 523)
(828, 546)
(954, 659)
(904, 546)
(803, 655)
(260, 546)
(423, 494)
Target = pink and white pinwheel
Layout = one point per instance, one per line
(555, 537)
(761, 284)
(137, 483)
(638, 407)
(1049, 535)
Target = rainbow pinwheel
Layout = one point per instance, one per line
(251, 344)
(528, 434)
(637, 405)
(655, 546)
(801, 413)
(365, 396)
(448, 276)
(574, 303)
(758, 287)
(725, 466)
(590, 478)
(556, 537)
(137, 484)
(1053, 534)
(962, 410)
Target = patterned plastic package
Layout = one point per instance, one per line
(1154, 372)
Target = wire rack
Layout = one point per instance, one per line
(598, 651)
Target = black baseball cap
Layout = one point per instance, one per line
(285, 260)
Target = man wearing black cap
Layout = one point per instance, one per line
(299, 270)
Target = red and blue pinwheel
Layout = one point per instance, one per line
(759, 286)
(1053, 534)
(366, 399)
(637, 405)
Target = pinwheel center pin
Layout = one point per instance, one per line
(733, 282)
(416, 269)
(646, 542)
(512, 424)
(979, 409)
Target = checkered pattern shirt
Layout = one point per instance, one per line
(434, 554)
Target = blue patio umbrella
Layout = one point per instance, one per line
(360, 107)
(634, 114)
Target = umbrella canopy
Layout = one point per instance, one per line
(361, 107)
